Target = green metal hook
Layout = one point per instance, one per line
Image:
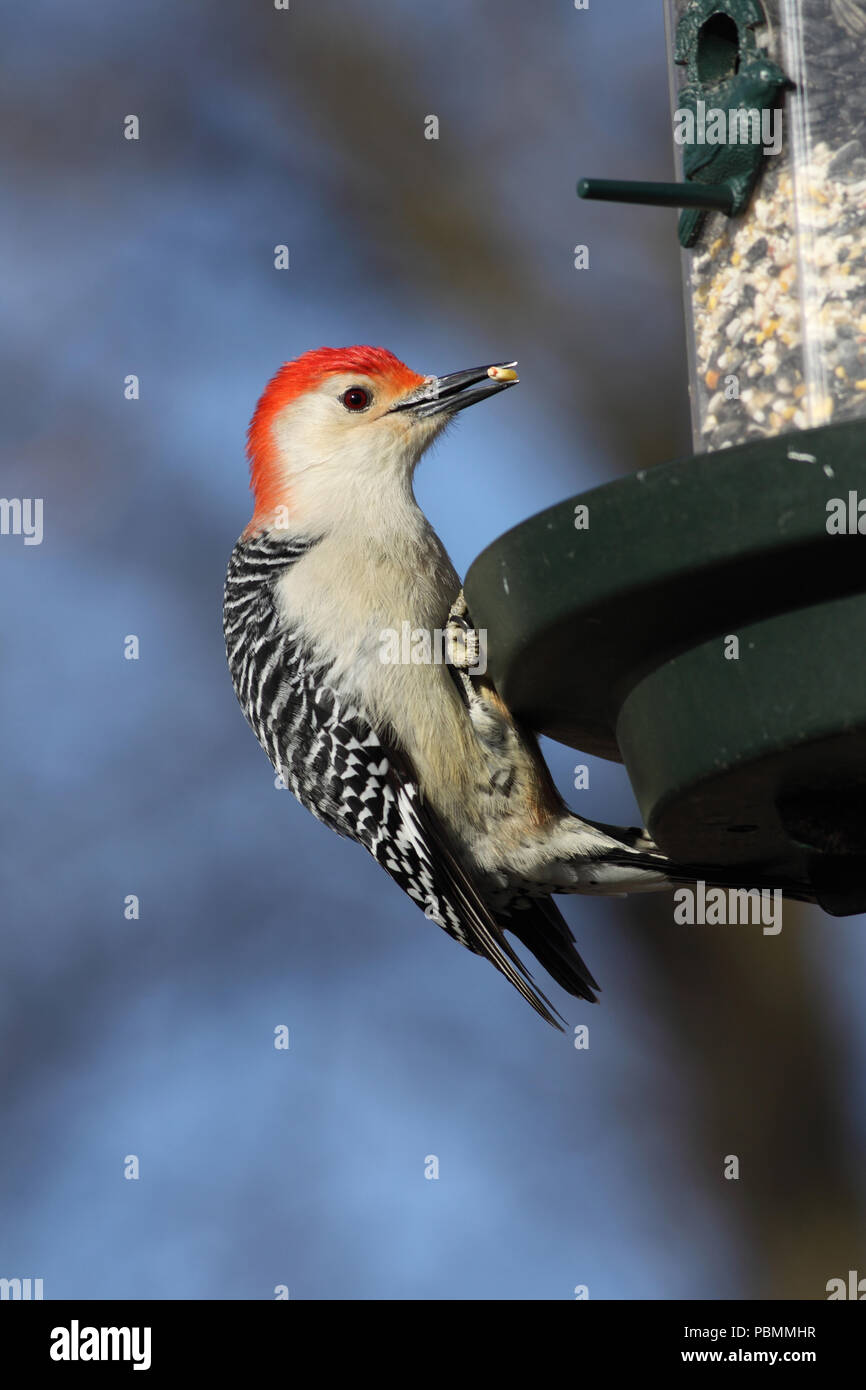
(713, 197)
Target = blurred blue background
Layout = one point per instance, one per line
(154, 1037)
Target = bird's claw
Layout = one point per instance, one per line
(462, 647)
(462, 642)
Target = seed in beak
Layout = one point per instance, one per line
(502, 373)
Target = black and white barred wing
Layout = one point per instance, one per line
(365, 789)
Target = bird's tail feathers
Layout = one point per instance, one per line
(541, 927)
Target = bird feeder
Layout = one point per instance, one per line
(704, 621)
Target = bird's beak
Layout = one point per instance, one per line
(448, 394)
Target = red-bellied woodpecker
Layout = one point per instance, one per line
(419, 761)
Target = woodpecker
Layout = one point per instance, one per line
(421, 763)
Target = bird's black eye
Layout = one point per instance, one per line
(356, 398)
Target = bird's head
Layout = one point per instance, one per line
(337, 427)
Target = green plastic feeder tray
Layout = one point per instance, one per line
(707, 627)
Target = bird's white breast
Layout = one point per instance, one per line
(350, 599)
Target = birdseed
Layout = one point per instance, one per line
(778, 295)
